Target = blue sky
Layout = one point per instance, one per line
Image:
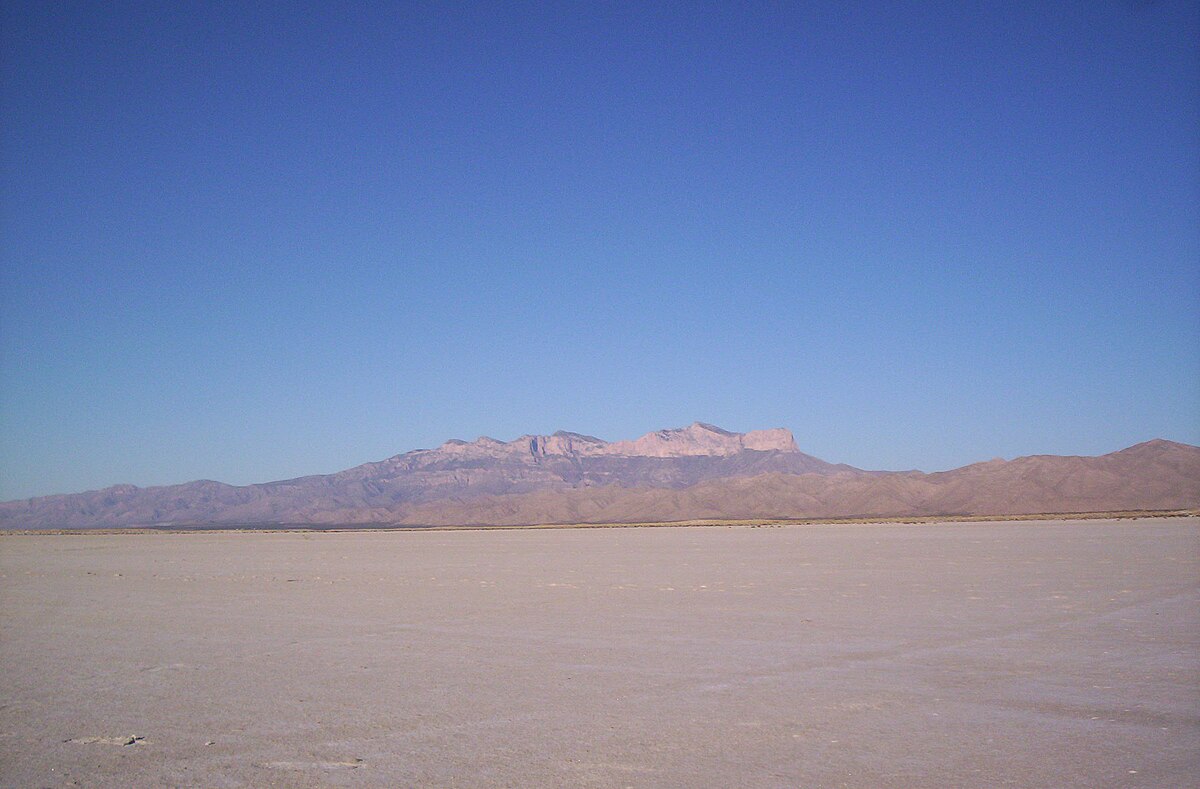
(253, 241)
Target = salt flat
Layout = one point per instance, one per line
(1033, 654)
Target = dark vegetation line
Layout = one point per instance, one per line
(285, 528)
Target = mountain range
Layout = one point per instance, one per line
(696, 472)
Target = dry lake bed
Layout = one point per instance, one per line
(1033, 654)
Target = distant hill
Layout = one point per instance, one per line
(700, 471)
(1156, 475)
(455, 471)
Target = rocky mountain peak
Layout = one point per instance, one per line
(697, 439)
(704, 439)
(555, 478)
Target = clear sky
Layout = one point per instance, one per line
(250, 241)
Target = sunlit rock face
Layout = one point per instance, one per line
(699, 471)
(702, 439)
(696, 440)
(455, 471)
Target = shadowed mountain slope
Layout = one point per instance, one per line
(696, 472)
(455, 471)
(1156, 475)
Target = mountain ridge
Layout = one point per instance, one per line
(672, 458)
(1033, 484)
(678, 474)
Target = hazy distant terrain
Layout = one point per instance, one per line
(700, 471)
(1156, 475)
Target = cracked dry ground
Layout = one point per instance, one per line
(972, 655)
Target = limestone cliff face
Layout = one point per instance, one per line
(701, 439)
(1156, 475)
(774, 440)
(456, 470)
(696, 440)
(698, 471)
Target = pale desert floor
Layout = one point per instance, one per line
(956, 655)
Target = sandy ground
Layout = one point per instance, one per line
(967, 655)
